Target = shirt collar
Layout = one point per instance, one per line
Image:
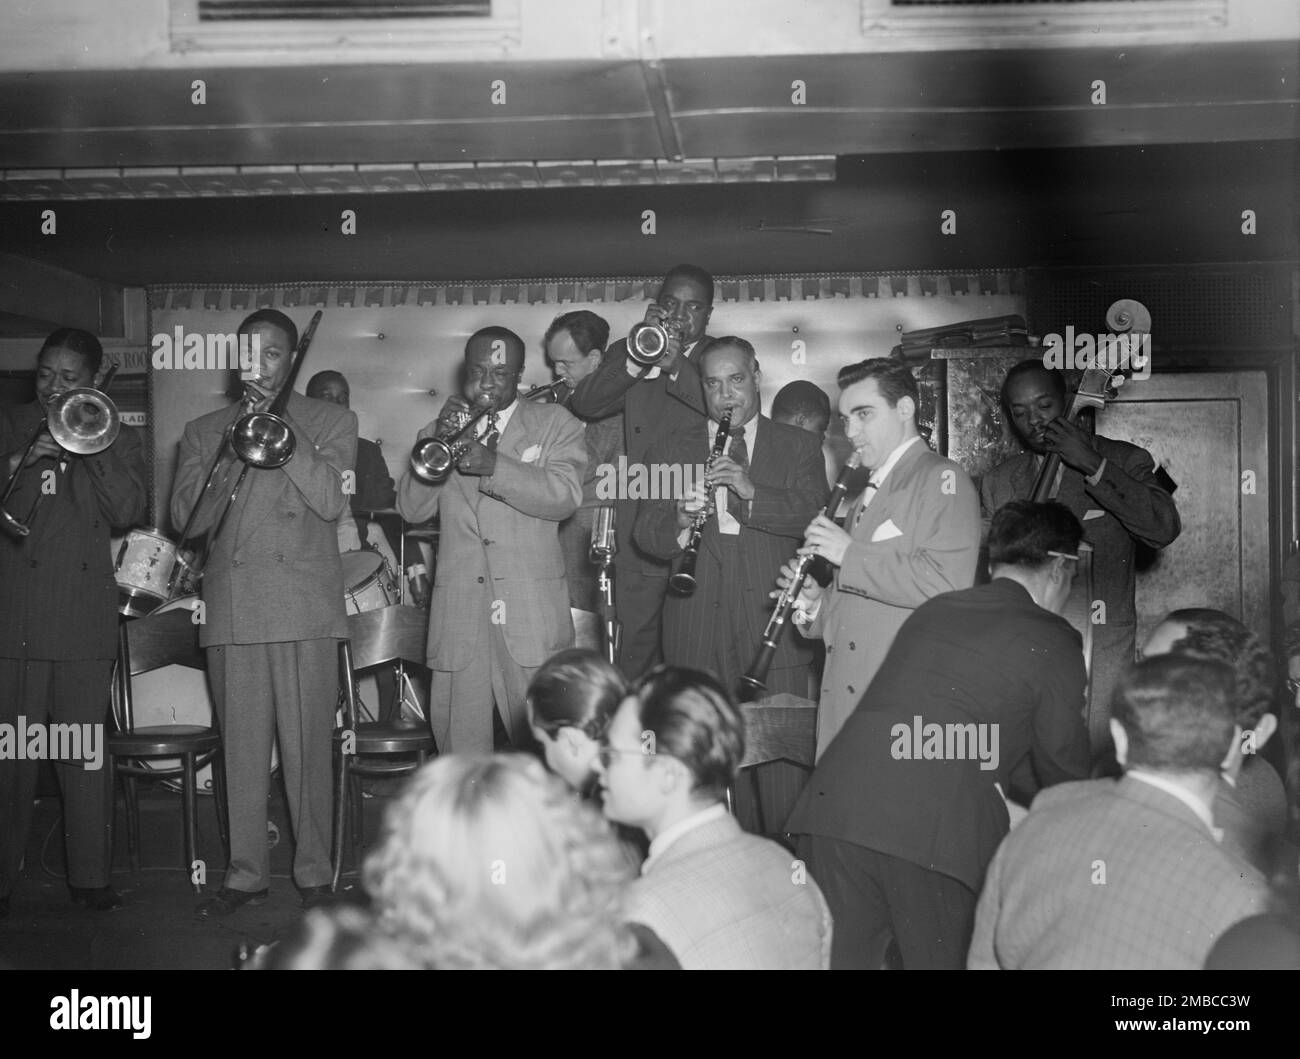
(669, 835)
(1200, 808)
(751, 434)
(878, 477)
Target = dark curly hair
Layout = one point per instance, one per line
(1217, 637)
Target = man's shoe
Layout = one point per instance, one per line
(96, 898)
(316, 896)
(226, 901)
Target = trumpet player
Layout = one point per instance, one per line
(500, 598)
(273, 598)
(759, 495)
(659, 399)
(58, 621)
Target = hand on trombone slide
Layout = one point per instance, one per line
(45, 447)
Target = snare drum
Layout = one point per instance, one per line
(368, 583)
(175, 695)
(142, 568)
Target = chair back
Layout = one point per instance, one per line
(389, 634)
(145, 644)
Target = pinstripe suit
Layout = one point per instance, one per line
(918, 536)
(58, 631)
(652, 409)
(500, 598)
(273, 599)
(724, 900)
(1168, 889)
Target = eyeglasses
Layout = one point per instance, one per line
(498, 374)
(606, 754)
(1064, 555)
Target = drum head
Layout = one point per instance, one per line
(359, 567)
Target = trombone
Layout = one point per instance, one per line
(433, 458)
(82, 421)
(259, 439)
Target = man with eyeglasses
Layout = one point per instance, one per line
(981, 687)
(500, 603)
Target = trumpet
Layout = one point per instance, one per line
(648, 340)
(82, 421)
(433, 458)
(683, 581)
(754, 682)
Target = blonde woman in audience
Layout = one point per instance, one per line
(490, 862)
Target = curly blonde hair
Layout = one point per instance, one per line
(490, 862)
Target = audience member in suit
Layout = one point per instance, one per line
(1250, 806)
(718, 897)
(805, 405)
(656, 402)
(570, 703)
(575, 345)
(491, 863)
(373, 487)
(1127, 874)
(273, 593)
(898, 839)
(762, 493)
(500, 598)
(912, 534)
(58, 621)
(1112, 488)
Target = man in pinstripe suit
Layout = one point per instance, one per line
(1127, 874)
(58, 622)
(765, 490)
(500, 597)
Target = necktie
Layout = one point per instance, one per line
(490, 435)
(867, 494)
(739, 452)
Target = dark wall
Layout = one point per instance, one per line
(1095, 207)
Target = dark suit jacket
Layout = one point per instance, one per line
(1110, 875)
(274, 574)
(59, 596)
(986, 655)
(730, 602)
(499, 552)
(652, 409)
(375, 488)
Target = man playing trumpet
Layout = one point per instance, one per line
(500, 598)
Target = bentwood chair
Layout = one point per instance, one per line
(383, 748)
(169, 752)
(779, 727)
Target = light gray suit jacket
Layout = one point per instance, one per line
(722, 899)
(919, 536)
(274, 574)
(498, 549)
(1110, 875)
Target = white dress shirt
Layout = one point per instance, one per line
(503, 417)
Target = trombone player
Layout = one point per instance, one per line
(58, 622)
(500, 597)
(273, 598)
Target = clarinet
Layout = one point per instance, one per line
(753, 683)
(683, 581)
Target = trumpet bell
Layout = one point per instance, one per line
(83, 421)
(263, 439)
(647, 342)
(432, 460)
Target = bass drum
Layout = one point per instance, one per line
(176, 695)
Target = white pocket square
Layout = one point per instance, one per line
(1092, 513)
(531, 453)
(885, 531)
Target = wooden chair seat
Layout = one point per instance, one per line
(164, 740)
(374, 737)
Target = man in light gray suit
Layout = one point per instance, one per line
(718, 898)
(500, 598)
(273, 616)
(914, 533)
(1127, 874)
